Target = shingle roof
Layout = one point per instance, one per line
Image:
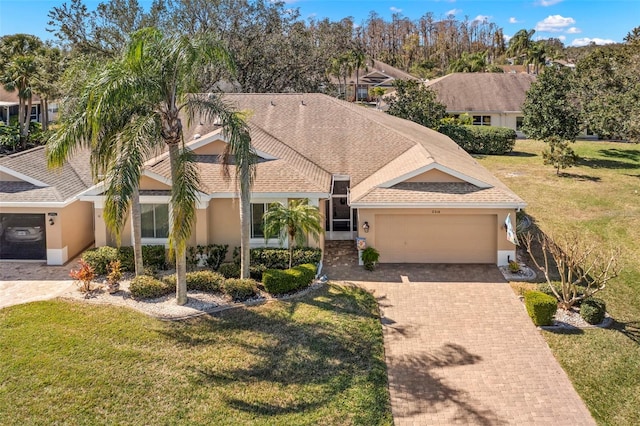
(314, 136)
(482, 92)
(62, 184)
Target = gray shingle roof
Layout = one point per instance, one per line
(62, 184)
(482, 92)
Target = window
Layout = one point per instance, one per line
(519, 123)
(155, 220)
(482, 120)
(257, 222)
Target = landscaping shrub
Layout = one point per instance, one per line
(481, 139)
(278, 281)
(240, 290)
(145, 287)
(277, 258)
(592, 310)
(199, 280)
(255, 272)
(155, 257)
(212, 255)
(540, 307)
(230, 270)
(99, 258)
(127, 259)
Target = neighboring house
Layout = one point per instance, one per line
(9, 107)
(492, 99)
(41, 217)
(422, 198)
(375, 74)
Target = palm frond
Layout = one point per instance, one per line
(184, 195)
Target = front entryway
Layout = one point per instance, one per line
(341, 219)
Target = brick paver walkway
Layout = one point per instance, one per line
(467, 353)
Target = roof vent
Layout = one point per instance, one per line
(302, 102)
(273, 103)
(196, 136)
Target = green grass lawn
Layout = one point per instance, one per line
(315, 360)
(600, 196)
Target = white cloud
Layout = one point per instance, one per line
(395, 9)
(482, 18)
(574, 30)
(548, 2)
(513, 20)
(554, 23)
(453, 12)
(507, 38)
(586, 41)
(562, 38)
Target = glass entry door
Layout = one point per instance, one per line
(338, 212)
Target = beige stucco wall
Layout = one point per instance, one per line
(213, 148)
(76, 227)
(5, 177)
(434, 175)
(147, 183)
(501, 245)
(224, 222)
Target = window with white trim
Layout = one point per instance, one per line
(482, 120)
(155, 220)
(257, 221)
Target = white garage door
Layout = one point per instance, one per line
(436, 238)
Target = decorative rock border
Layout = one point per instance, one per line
(525, 273)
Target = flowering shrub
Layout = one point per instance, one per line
(84, 275)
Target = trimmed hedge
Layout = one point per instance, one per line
(592, 310)
(199, 280)
(230, 270)
(540, 307)
(278, 281)
(100, 257)
(240, 290)
(278, 258)
(146, 287)
(481, 139)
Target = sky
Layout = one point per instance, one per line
(575, 22)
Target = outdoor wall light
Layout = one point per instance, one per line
(51, 216)
(51, 222)
(365, 227)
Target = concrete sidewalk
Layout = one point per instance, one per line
(17, 292)
(467, 353)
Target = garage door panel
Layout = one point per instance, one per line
(436, 238)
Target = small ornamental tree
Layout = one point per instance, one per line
(293, 223)
(584, 268)
(84, 275)
(559, 154)
(416, 102)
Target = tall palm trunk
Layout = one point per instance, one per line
(44, 105)
(245, 228)
(136, 220)
(179, 247)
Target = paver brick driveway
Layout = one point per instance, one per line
(467, 353)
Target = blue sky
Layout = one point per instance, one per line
(575, 22)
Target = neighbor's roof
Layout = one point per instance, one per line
(482, 92)
(39, 183)
(376, 73)
(11, 98)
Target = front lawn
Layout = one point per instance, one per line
(601, 195)
(315, 360)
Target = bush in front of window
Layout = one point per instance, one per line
(481, 139)
(146, 287)
(278, 258)
(208, 281)
(278, 281)
(240, 289)
(99, 258)
(211, 255)
(230, 270)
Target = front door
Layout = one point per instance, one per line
(340, 216)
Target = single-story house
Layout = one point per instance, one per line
(410, 191)
(9, 107)
(41, 215)
(491, 99)
(374, 74)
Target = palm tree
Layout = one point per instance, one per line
(293, 222)
(18, 67)
(520, 43)
(357, 60)
(536, 55)
(133, 106)
(245, 159)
